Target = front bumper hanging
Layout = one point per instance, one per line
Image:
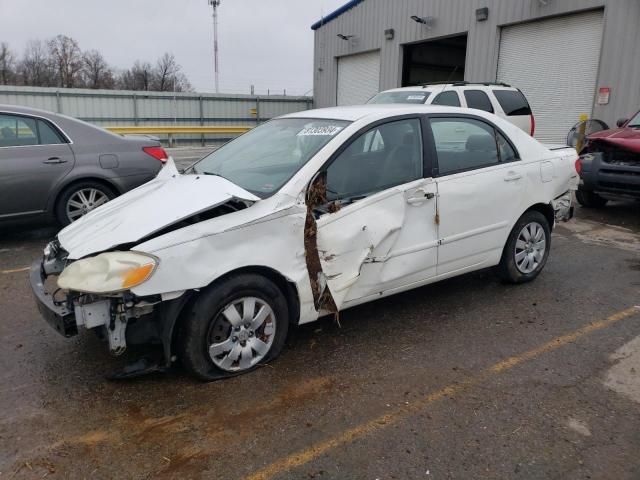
(56, 314)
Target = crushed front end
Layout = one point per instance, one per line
(119, 317)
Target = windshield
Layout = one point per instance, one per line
(634, 122)
(265, 158)
(401, 96)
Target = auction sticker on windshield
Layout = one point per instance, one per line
(330, 130)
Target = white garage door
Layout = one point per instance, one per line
(555, 63)
(358, 78)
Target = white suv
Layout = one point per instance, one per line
(498, 98)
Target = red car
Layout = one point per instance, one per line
(609, 164)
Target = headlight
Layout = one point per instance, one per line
(108, 272)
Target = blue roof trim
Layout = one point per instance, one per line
(335, 14)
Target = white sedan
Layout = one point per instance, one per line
(306, 215)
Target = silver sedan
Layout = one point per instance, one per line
(60, 167)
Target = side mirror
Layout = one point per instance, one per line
(621, 122)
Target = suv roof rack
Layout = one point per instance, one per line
(464, 83)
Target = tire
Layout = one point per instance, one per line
(65, 211)
(515, 267)
(589, 199)
(208, 327)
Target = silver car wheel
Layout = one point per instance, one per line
(242, 334)
(530, 247)
(83, 201)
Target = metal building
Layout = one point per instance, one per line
(569, 57)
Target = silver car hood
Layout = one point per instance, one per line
(163, 201)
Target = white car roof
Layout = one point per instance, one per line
(358, 112)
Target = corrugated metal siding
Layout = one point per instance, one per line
(619, 68)
(126, 108)
(534, 63)
(358, 77)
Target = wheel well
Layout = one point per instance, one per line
(288, 288)
(545, 209)
(101, 181)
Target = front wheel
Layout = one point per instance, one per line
(233, 327)
(527, 249)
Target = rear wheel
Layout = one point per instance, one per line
(527, 249)
(589, 199)
(233, 327)
(79, 199)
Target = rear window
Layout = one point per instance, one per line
(512, 102)
(403, 96)
(478, 99)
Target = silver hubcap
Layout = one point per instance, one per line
(242, 334)
(83, 201)
(530, 247)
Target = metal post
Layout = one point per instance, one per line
(257, 110)
(215, 4)
(201, 118)
(135, 109)
(582, 130)
(58, 102)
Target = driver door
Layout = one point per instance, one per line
(377, 232)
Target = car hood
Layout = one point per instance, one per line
(165, 200)
(627, 138)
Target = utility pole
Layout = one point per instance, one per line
(215, 4)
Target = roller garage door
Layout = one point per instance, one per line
(555, 63)
(358, 78)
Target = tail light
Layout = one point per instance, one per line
(156, 152)
(579, 166)
(533, 124)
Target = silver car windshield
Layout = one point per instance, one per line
(401, 96)
(265, 158)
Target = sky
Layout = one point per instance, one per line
(267, 43)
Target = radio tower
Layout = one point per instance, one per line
(215, 4)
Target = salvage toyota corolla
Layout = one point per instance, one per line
(304, 216)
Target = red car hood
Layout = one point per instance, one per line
(627, 138)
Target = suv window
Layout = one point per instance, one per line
(478, 99)
(466, 144)
(512, 102)
(17, 131)
(48, 134)
(447, 98)
(383, 157)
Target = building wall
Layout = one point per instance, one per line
(619, 69)
(126, 108)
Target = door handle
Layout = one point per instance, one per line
(512, 176)
(54, 160)
(420, 196)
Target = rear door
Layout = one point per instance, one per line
(34, 158)
(481, 191)
(380, 233)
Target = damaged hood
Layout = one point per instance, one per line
(627, 138)
(167, 199)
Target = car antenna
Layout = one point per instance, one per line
(455, 69)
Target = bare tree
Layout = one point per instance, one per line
(165, 73)
(7, 65)
(168, 75)
(67, 58)
(35, 68)
(142, 75)
(96, 72)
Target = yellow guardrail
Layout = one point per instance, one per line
(176, 130)
(173, 130)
